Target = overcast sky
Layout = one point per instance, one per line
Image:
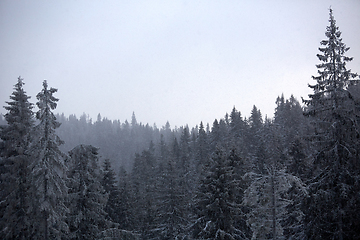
(177, 61)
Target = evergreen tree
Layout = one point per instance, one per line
(15, 165)
(186, 172)
(185, 165)
(109, 184)
(333, 205)
(254, 133)
(268, 196)
(217, 205)
(256, 141)
(255, 119)
(126, 218)
(172, 208)
(87, 198)
(202, 150)
(48, 171)
(268, 200)
(292, 127)
(143, 192)
(19, 118)
(237, 129)
(215, 136)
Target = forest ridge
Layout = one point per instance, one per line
(295, 176)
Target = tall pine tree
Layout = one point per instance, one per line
(15, 165)
(48, 171)
(334, 202)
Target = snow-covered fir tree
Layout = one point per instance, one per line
(267, 195)
(143, 179)
(237, 131)
(20, 121)
(290, 126)
(268, 201)
(87, 197)
(109, 184)
(15, 195)
(172, 209)
(124, 209)
(201, 149)
(185, 167)
(48, 171)
(334, 203)
(217, 204)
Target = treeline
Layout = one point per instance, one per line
(49, 193)
(222, 183)
(295, 176)
(116, 141)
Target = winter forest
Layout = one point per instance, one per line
(293, 176)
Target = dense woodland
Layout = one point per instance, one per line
(293, 176)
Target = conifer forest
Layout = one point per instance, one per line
(293, 176)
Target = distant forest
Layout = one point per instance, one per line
(293, 176)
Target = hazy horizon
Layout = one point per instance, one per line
(177, 61)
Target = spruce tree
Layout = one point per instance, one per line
(109, 184)
(171, 217)
(270, 201)
(254, 134)
(237, 129)
(217, 205)
(334, 202)
(201, 150)
(215, 136)
(19, 118)
(124, 209)
(291, 127)
(15, 165)
(87, 197)
(185, 166)
(48, 171)
(143, 192)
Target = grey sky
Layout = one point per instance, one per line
(177, 61)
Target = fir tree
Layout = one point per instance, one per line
(171, 217)
(202, 150)
(255, 119)
(87, 198)
(254, 137)
(124, 209)
(15, 173)
(19, 120)
(143, 189)
(109, 184)
(292, 126)
(185, 165)
(215, 135)
(217, 205)
(333, 205)
(268, 193)
(268, 200)
(237, 128)
(48, 171)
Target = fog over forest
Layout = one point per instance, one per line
(179, 61)
(295, 175)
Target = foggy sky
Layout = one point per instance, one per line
(177, 61)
